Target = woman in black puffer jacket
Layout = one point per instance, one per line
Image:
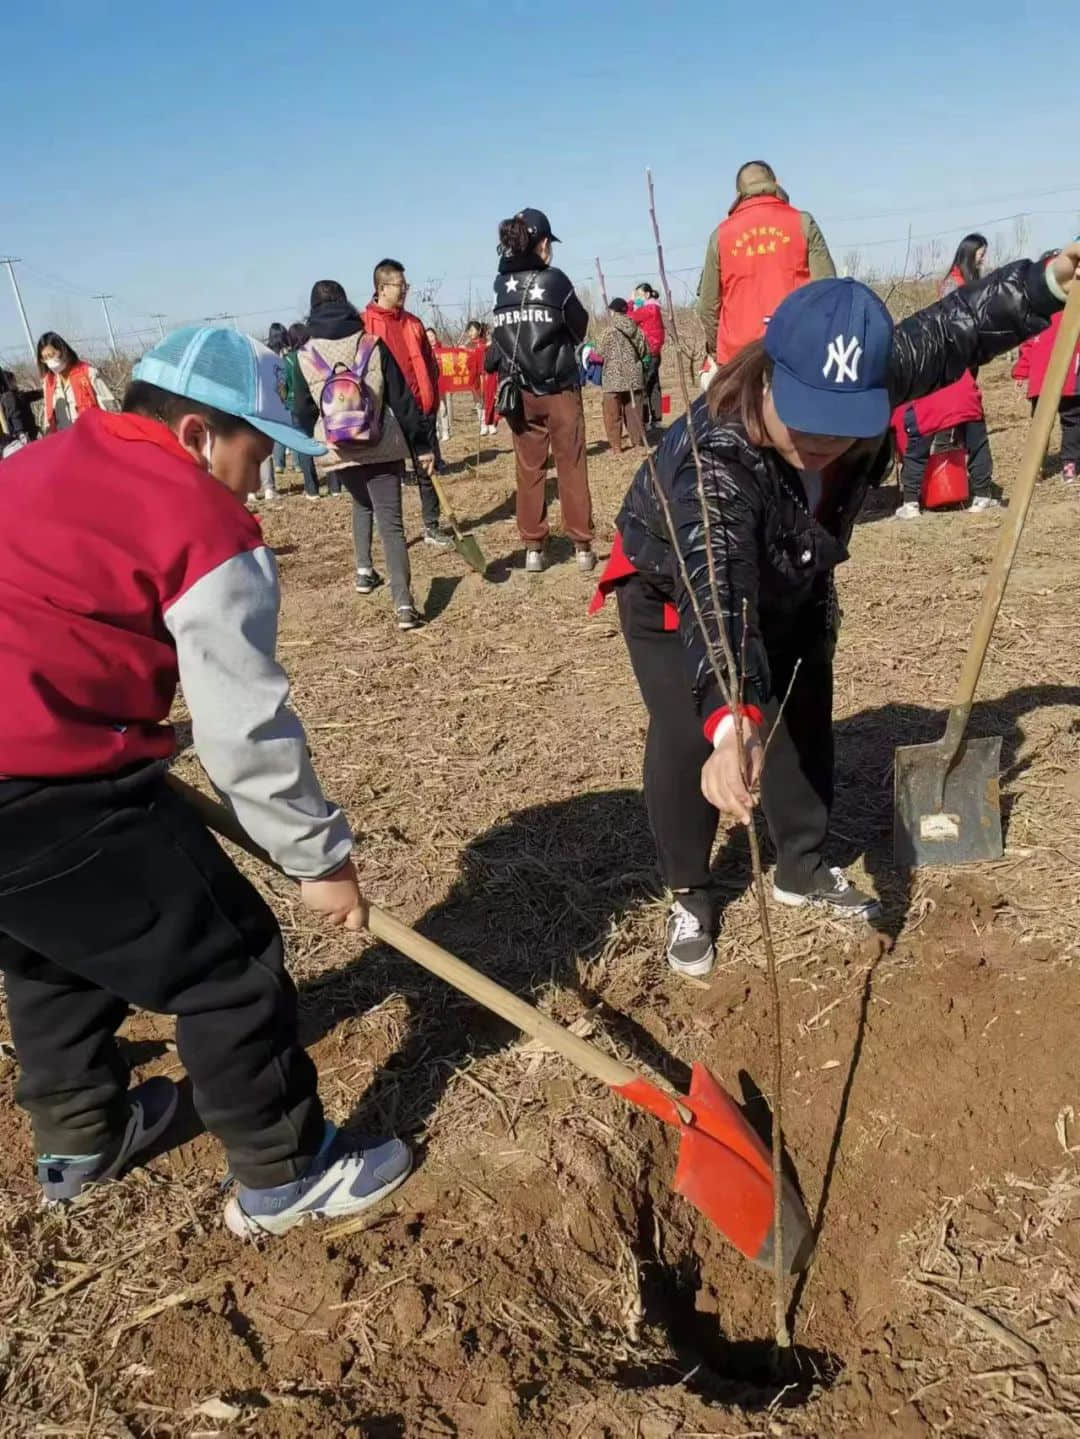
(792, 433)
(538, 324)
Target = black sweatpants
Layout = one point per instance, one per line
(797, 785)
(972, 436)
(1069, 418)
(113, 894)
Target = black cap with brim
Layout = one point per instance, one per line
(539, 225)
(850, 414)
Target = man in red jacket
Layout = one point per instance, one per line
(129, 564)
(405, 337)
(754, 259)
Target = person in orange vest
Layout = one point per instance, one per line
(757, 256)
(404, 336)
(70, 386)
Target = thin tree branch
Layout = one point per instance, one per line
(731, 686)
(603, 285)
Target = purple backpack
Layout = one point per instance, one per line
(351, 415)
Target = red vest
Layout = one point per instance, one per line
(406, 339)
(763, 257)
(82, 390)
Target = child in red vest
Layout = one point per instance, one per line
(128, 565)
(404, 336)
(1031, 365)
(70, 386)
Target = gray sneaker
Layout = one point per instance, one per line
(408, 618)
(981, 503)
(534, 562)
(367, 581)
(690, 948)
(909, 510)
(151, 1106)
(342, 1180)
(439, 536)
(586, 559)
(840, 898)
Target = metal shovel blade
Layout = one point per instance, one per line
(468, 547)
(944, 814)
(725, 1171)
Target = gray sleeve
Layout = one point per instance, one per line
(250, 742)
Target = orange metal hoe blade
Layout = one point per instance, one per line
(725, 1170)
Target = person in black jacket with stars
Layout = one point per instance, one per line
(538, 324)
(792, 433)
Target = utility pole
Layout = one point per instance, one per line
(108, 323)
(11, 262)
(159, 318)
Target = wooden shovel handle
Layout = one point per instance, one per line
(433, 958)
(1038, 438)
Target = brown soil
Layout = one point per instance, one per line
(536, 1276)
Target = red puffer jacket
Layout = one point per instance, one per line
(650, 321)
(1034, 359)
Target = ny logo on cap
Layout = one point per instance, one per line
(844, 358)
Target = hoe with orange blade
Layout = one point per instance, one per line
(723, 1168)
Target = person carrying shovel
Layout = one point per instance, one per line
(129, 563)
(792, 432)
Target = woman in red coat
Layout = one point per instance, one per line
(1031, 365)
(646, 313)
(957, 407)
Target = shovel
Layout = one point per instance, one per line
(467, 546)
(947, 804)
(723, 1168)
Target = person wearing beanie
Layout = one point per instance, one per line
(792, 433)
(625, 353)
(130, 565)
(762, 251)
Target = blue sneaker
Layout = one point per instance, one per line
(151, 1106)
(342, 1180)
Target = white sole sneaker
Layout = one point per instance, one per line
(870, 910)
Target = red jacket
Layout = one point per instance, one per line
(649, 318)
(955, 404)
(763, 256)
(1034, 358)
(406, 339)
(99, 537)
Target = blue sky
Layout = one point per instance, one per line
(219, 158)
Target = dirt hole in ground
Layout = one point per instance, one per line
(744, 1372)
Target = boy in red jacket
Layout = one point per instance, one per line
(129, 564)
(404, 336)
(1031, 365)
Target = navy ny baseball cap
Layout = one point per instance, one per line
(831, 343)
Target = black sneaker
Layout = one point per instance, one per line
(441, 538)
(841, 897)
(367, 581)
(408, 618)
(151, 1106)
(690, 948)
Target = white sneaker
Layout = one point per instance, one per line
(690, 950)
(534, 562)
(840, 897)
(909, 510)
(984, 502)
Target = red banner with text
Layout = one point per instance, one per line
(459, 368)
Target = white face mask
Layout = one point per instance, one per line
(208, 449)
(55, 365)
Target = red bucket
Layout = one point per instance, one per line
(665, 404)
(946, 480)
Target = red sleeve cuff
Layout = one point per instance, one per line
(712, 724)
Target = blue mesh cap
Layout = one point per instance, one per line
(232, 372)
